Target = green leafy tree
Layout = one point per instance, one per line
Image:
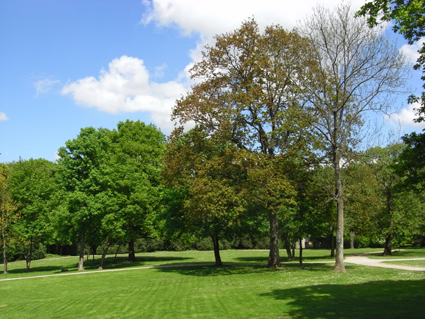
(85, 179)
(246, 95)
(7, 209)
(359, 71)
(135, 175)
(401, 212)
(33, 186)
(205, 180)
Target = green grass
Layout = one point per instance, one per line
(414, 263)
(401, 253)
(242, 291)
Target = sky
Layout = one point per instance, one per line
(70, 64)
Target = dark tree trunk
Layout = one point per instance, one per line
(216, 251)
(118, 249)
(288, 249)
(81, 259)
(28, 257)
(352, 239)
(105, 251)
(3, 236)
(131, 253)
(274, 259)
(301, 252)
(332, 244)
(388, 245)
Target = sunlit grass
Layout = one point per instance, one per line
(239, 291)
(401, 253)
(414, 263)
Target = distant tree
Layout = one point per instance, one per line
(359, 71)
(7, 208)
(245, 94)
(401, 211)
(33, 186)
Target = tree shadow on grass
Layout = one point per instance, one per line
(375, 299)
(238, 269)
(123, 262)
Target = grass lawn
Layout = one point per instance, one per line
(242, 291)
(414, 263)
(401, 253)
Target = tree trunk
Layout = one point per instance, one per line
(352, 240)
(118, 249)
(3, 235)
(81, 259)
(339, 194)
(105, 251)
(88, 252)
(131, 253)
(288, 248)
(301, 252)
(29, 257)
(216, 251)
(274, 259)
(388, 245)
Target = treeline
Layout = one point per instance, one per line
(277, 119)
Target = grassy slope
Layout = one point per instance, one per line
(314, 291)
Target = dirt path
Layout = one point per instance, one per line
(362, 260)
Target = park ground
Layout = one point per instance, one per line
(187, 285)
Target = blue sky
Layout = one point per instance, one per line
(69, 64)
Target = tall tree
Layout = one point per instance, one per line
(33, 185)
(359, 70)
(84, 163)
(136, 190)
(246, 94)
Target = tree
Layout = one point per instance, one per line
(33, 185)
(83, 175)
(7, 208)
(204, 179)
(246, 95)
(400, 211)
(408, 18)
(359, 70)
(135, 175)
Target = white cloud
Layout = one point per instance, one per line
(44, 86)
(126, 87)
(213, 17)
(3, 116)
(411, 51)
(406, 117)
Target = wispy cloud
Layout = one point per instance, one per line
(3, 116)
(411, 51)
(44, 86)
(406, 116)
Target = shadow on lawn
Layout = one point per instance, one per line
(238, 269)
(375, 299)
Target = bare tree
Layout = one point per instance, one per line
(360, 70)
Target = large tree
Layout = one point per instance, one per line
(83, 174)
(33, 186)
(359, 71)
(134, 168)
(245, 93)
